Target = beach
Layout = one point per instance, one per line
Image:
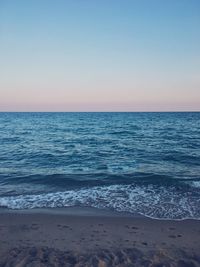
(100, 133)
(91, 237)
(99, 189)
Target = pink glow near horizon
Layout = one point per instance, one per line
(100, 56)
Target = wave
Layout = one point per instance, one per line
(153, 201)
(182, 158)
(74, 180)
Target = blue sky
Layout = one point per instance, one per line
(102, 55)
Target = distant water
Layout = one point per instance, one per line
(147, 163)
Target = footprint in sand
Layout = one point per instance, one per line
(144, 243)
(95, 231)
(65, 226)
(34, 227)
(133, 232)
(172, 236)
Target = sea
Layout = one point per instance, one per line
(139, 163)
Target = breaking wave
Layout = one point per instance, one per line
(152, 201)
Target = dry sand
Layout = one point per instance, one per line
(56, 239)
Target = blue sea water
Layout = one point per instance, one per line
(147, 163)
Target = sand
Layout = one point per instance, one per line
(43, 238)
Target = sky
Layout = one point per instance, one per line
(100, 55)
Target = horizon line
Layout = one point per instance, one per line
(156, 111)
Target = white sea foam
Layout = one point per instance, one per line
(195, 184)
(156, 202)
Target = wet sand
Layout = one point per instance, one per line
(41, 238)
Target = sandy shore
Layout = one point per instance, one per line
(43, 238)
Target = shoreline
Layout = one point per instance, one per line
(87, 211)
(88, 234)
(75, 211)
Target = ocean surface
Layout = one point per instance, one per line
(146, 163)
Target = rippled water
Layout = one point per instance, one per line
(146, 163)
